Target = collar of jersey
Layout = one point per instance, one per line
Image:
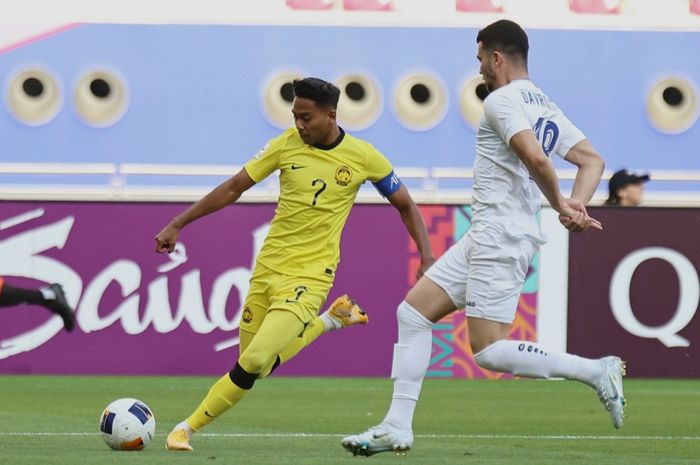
(334, 144)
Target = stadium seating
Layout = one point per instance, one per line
(695, 7)
(310, 4)
(368, 5)
(595, 6)
(480, 6)
(599, 7)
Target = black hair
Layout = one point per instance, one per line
(612, 199)
(506, 37)
(323, 93)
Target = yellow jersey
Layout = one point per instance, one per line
(318, 187)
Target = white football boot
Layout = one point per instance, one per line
(380, 438)
(609, 388)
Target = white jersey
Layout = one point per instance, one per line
(504, 195)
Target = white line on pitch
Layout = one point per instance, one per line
(19, 219)
(423, 436)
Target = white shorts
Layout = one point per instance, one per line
(484, 273)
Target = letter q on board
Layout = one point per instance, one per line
(101, 97)
(420, 101)
(672, 105)
(33, 95)
(689, 290)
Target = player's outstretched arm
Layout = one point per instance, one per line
(412, 218)
(224, 194)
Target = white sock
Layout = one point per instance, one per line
(411, 360)
(523, 358)
(330, 322)
(48, 294)
(184, 425)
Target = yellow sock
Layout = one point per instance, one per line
(222, 396)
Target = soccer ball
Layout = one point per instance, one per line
(127, 424)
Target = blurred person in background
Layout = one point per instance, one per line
(626, 189)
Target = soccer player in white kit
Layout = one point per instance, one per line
(484, 272)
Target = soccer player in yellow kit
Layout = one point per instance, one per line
(321, 170)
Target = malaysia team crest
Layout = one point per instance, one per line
(247, 315)
(343, 176)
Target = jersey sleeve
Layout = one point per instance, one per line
(381, 174)
(569, 135)
(378, 166)
(267, 160)
(505, 115)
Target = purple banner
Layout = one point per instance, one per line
(143, 313)
(634, 290)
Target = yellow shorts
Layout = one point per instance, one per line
(270, 290)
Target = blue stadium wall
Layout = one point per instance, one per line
(195, 91)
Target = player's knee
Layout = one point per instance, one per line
(255, 362)
(410, 318)
(268, 370)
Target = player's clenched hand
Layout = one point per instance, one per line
(579, 223)
(574, 217)
(166, 239)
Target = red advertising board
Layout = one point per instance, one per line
(634, 290)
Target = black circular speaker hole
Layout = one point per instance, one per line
(100, 88)
(355, 91)
(482, 91)
(33, 87)
(287, 92)
(673, 96)
(420, 93)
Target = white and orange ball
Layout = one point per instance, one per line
(127, 424)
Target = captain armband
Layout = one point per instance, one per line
(388, 184)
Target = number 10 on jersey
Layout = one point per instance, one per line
(547, 133)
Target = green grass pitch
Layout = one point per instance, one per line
(54, 420)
